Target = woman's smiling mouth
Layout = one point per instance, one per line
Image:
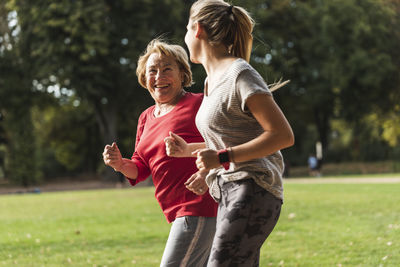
(161, 86)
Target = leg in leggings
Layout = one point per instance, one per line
(247, 214)
(189, 242)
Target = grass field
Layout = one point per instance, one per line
(320, 225)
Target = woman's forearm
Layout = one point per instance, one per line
(265, 144)
(128, 168)
(277, 133)
(193, 147)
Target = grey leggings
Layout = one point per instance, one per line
(189, 242)
(247, 214)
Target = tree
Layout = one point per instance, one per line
(16, 99)
(339, 56)
(91, 47)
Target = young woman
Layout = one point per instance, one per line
(164, 70)
(243, 129)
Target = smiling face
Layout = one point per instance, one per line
(163, 78)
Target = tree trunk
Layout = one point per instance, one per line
(323, 127)
(106, 116)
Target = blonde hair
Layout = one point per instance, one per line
(225, 24)
(228, 25)
(163, 48)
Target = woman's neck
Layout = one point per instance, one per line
(164, 108)
(215, 61)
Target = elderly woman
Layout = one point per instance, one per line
(164, 71)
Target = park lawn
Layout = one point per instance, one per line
(320, 225)
(336, 225)
(82, 228)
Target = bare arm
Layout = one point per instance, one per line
(112, 157)
(277, 132)
(277, 135)
(128, 168)
(176, 146)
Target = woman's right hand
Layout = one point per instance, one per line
(176, 146)
(112, 156)
(197, 183)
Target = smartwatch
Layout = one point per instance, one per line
(223, 157)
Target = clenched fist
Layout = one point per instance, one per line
(112, 156)
(207, 159)
(196, 183)
(176, 146)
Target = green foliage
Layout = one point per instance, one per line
(88, 50)
(77, 149)
(320, 225)
(366, 140)
(16, 99)
(341, 57)
(22, 157)
(390, 124)
(91, 47)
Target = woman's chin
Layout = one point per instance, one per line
(194, 60)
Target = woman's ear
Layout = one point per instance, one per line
(199, 30)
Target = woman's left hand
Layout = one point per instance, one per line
(207, 159)
(197, 183)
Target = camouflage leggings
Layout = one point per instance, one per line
(247, 214)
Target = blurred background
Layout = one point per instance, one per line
(68, 84)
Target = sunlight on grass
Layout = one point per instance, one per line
(105, 227)
(320, 225)
(336, 225)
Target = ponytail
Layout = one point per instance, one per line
(225, 24)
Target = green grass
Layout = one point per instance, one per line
(339, 176)
(320, 225)
(86, 228)
(337, 225)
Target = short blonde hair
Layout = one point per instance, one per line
(225, 24)
(163, 48)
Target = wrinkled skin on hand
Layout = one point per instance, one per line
(197, 183)
(176, 146)
(112, 156)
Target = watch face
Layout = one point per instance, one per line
(223, 157)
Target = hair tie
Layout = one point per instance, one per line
(230, 9)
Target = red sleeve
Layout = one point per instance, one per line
(142, 167)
